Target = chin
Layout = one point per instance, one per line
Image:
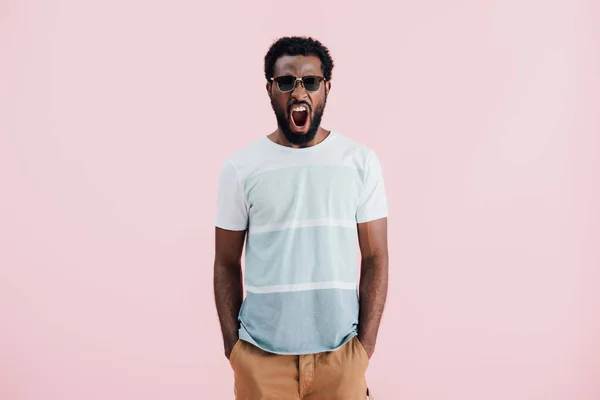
(299, 137)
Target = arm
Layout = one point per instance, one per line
(228, 282)
(372, 237)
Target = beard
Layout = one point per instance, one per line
(299, 138)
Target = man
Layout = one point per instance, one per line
(300, 197)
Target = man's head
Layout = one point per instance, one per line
(298, 57)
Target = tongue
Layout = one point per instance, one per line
(300, 117)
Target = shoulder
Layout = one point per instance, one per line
(247, 158)
(359, 152)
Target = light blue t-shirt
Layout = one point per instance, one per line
(300, 207)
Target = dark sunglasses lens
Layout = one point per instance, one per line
(311, 83)
(286, 83)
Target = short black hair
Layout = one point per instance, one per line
(298, 46)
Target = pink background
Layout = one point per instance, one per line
(115, 117)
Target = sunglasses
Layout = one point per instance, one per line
(287, 83)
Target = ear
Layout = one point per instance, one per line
(268, 87)
(327, 87)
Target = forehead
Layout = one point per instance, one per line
(297, 65)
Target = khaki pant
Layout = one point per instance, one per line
(332, 375)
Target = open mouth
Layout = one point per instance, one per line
(299, 120)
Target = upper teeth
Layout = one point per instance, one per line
(299, 108)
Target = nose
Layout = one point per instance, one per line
(299, 92)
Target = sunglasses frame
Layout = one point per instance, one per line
(298, 79)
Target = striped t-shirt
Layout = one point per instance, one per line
(300, 207)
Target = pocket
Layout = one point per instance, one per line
(364, 351)
(234, 350)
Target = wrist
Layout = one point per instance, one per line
(368, 343)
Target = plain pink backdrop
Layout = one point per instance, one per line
(115, 117)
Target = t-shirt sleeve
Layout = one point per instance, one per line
(232, 213)
(373, 201)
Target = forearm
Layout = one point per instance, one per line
(372, 295)
(228, 298)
